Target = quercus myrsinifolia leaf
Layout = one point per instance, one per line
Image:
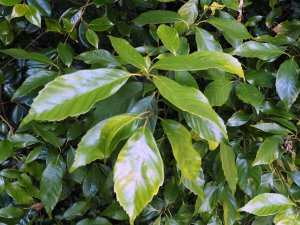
(202, 60)
(187, 158)
(287, 83)
(157, 17)
(74, 94)
(169, 37)
(196, 105)
(205, 41)
(267, 204)
(100, 141)
(138, 172)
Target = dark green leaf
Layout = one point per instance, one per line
(65, 52)
(6, 150)
(157, 17)
(23, 140)
(32, 15)
(99, 56)
(239, 118)
(18, 193)
(43, 6)
(100, 24)
(96, 221)
(76, 210)
(249, 94)
(11, 212)
(92, 38)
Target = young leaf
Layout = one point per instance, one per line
(228, 165)
(287, 84)
(188, 159)
(128, 53)
(75, 93)
(51, 184)
(192, 101)
(267, 204)
(249, 94)
(230, 27)
(157, 17)
(189, 13)
(268, 151)
(169, 37)
(65, 53)
(201, 61)
(92, 38)
(33, 15)
(263, 51)
(206, 42)
(19, 10)
(138, 173)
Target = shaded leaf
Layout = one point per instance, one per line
(6, 150)
(249, 94)
(11, 212)
(218, 91)
(99, 56)
(157, 17)
(65, 53)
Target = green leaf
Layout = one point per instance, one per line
(99, 56)
(54, 26)
(169, 37)
(48, 136)
(23, 140)
(185, 78)
(100, 24)
(192, 101)
(115, 211)
(187, 158)
(92, 38)
(138, 173)
(272, 128)
(230, 27)
(74, 94)
(51, 184)
(9, 2)
(18, 193)
(189, 13)
(33, 15)
(128, 53)
(218, 91)
(263, 51)
(239, 118)
(6, 150)
(18, 10)
(157, 17)
(249, 94)
(10, 212)
(65, 53)
(205, 41)
(4, 28)
(196, 186)
(287, 84)
(96, 221)
(267, 204)
(232, 4)
(228, 165)
(268, 151)
(229, 207)
(43, 6)
(201, 61)
(76, 210)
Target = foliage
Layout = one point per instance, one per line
(149, 112)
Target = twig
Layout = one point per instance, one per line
(11, 129)
(240, 16)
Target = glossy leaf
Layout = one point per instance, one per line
(230, 27)
(43, 6)
(249, 94)
(157, 17)
(263, 51)
(287, 84)
(65, 53)
(272, 128)
(239, 118)
(229, 206)
(138, 172)
(9, 2)
(96, 221)
(267, 204)
(11, 212)
(19, 10)
(51, 184)
(189, 13)
(92, 38)
(268, 151)
(33, 15)
(206, 42)
(218, 92)
(128, 53)
(228, 165)
(99, 56)
(192, 101)
(6, 150)
(169, 37)
(75, 93)
(76, 210)
(188, 160)
(18, 193)
(201, 61)
(100, 24)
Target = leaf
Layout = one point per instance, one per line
(249, 94)
(92, 38)
(99, 56)
(138, 173)
(218, 92)
(205, 41)
(263, 51)
(192, 101)
(23, 140)
(54, 26)
(232, 4)
(229, 207)
(272, 128)
(33, 15)
(51, 184)
(128, 53)
(19, 10)
(268, 151)
(189, 13)
(96, 221)
(6, 150)
(169, 37)
(239, 118)
(187, 158)
(185, 78)
(65, 53)
(230, 27)
(43, 6)
(201, 61)
(18, 193)
(10, 212)
(74, 94)
(157, 17)
(100, 24)
(267, 204)
(9, 2)
(76, 210)
(228, 165)
(196, 186)
(22, 54)
(287, 84)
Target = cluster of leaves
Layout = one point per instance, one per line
(149, 112)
